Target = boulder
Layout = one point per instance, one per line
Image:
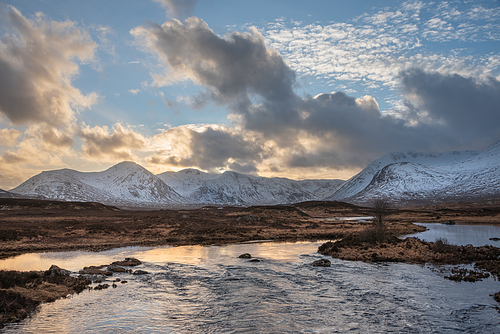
(322, 263)
(56, 271)
(128, 262)
(101, 287)
(93, 270)
(116, 269)
(254, 260)
(245, 256)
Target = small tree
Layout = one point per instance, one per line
(381, 210)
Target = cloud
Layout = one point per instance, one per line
(230, 68)
(466, 107)
(8, 137)
(375, 47)
(114, 144)
(37, 65)
(134, 91)
(12, 158)
(208, 147)
(178, 8)
(284, 131)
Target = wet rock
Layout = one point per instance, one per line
(495, 239)
(124, 282)
(448, 222)
(245, 256)
(140, 272)
(56, 271)
(254, 260)
(114, 285)
(128, 262)
(101, 287)
(464, 275)
(116, 269)
(322, 263)
(93, 270)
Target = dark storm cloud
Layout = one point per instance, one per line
(467, 108)
(179, 8)
(334, 130)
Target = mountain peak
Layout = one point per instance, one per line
(127, 164)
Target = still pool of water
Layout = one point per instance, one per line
(208, 289)
(476, 235)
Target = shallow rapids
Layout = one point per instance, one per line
(208, 289)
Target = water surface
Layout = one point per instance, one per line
(476, 235)
(208, 289)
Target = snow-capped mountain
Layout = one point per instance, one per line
(404, 177)
(128, 184)
(186, 181)
(411, 176)
(123, 184)
(236, 188)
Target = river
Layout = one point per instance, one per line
(208, 289)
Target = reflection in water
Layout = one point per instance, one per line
(476, 235)
(195, 289)
(194, 255)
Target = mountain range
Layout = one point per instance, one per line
(128, 184)
(404, 177)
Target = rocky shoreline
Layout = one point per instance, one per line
(22, 292)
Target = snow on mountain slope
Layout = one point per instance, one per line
(123, 184)
(5, 194)
(235, 188)
(130, 181)
(361, 180)
(321, 188)
(446, 179)
(186, 181)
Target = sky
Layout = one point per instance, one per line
(299, 89)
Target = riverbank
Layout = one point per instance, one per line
(22, 292)
(28, 226)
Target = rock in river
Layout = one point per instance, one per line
(140, 272)
(322, 263)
